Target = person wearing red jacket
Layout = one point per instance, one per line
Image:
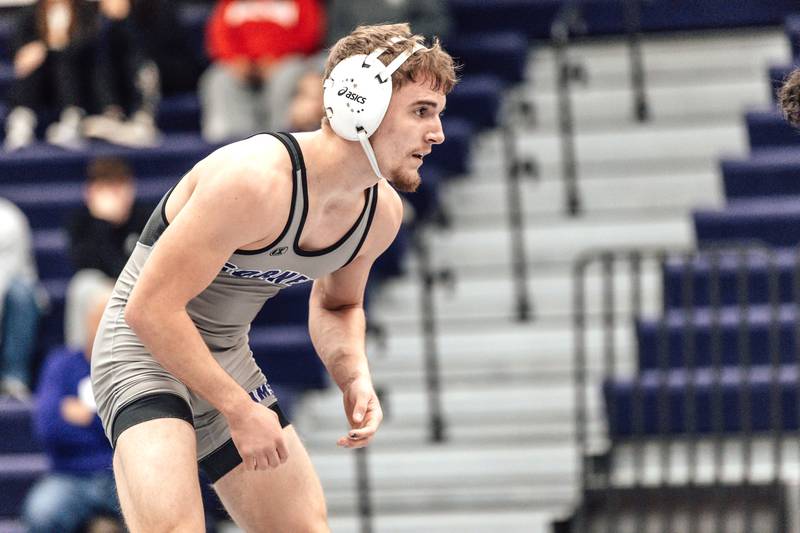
(258, 50)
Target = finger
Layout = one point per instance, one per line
(274, 460)
(283, 452)
(360, 409)
(263, 462)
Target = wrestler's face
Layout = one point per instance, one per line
(410, 128)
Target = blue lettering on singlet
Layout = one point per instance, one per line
(278, 277)
(261, 392)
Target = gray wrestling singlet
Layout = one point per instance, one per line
(124, 371)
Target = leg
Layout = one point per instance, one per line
(56, 503)
(288, 499)
(228, 106)
(155, 465)
(20, 321)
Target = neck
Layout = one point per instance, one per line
(337, 170)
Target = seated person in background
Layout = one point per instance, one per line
(102, 234)
(128, 80)
(79, 491)
(54, 43)
(305, 110)
(257, 48)
(19, 308)
(427, 17)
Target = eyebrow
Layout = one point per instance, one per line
(429, 103)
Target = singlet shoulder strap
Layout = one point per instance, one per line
(373, 206)
(298, 191)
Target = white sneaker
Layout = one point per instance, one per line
(102, 126)
(20, 125)
(15, 388)
(139, 132)
(66, 133)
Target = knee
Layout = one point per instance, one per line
(313, 520)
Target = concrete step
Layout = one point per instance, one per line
(564, 240)
(466, 521)
(486, 201)
(670, 59)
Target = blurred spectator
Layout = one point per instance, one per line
(305, 109)
(426, 17)
(104, 231)
(258, 48)
(53, 45)
(127, 80)
(18, 303)
(102, 234)
(78, 493)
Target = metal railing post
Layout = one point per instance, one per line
(519, 261)
(633, 29)
(428, 282)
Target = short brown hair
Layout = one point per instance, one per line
(432, 63)
(789, 98)
(108, 170)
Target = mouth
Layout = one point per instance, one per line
(419, 155)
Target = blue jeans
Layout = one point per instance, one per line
(20, 321)
(63, 503)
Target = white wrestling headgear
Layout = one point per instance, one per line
(357, 93)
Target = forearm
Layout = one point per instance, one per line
(174, 341)
(339, 339)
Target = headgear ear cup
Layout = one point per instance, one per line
(356, 96)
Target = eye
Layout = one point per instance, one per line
(422, 111)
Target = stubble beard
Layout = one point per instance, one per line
(405, 181)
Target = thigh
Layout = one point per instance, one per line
(155, 466)
(288, 499)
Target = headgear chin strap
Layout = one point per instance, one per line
(357, 94)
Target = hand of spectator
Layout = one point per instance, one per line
(115, 9)
(241, 68)
(29, 58)
(76, 412)
(266, 66)
(111, 203)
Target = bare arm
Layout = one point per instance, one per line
(337, 325)
(219, 217)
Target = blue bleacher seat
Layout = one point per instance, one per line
(768, 129)
(477, 100)
(452, 157)
(755, 268)
(621, 395)
(767, 172)
(771, 221)
(502, 54)
(792, 30)
(670, 336)
(18, 431)
(287, 357)
(18, 473)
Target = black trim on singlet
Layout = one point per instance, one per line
(297, 164)
(304, 181)
(373, 208)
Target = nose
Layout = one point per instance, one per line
(436, 135)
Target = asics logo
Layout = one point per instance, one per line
(347, 93)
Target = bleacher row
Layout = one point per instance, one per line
(46, 183)
(491, 39)
(746, 333)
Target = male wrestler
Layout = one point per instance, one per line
(174, 379)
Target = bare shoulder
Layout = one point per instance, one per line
(258, 167)
(245, 186)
